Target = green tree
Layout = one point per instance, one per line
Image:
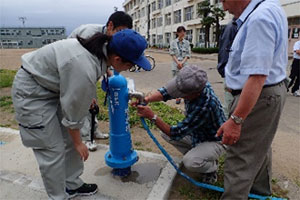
(210, 15)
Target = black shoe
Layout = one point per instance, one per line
(210, 178)
(84, 190)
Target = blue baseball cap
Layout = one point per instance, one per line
(130, 45)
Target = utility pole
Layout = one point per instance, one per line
(23, 19)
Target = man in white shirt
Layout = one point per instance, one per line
(295, 71)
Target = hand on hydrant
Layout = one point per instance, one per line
(145, 111)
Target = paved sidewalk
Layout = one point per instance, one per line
(151, 176)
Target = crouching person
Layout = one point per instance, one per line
(195, 135)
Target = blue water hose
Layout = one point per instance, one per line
(199, 184)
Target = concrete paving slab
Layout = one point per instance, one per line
(151, 176)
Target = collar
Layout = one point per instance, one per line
(246, 12)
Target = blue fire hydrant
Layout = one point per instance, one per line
(121, 155)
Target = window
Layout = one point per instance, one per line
(160, 39)
(168, 38)
(154, 23)
(177, 16)
(168, 2)
(153, 39)
(153, 6)
(168, 19)
(295, 33)
(200, 37)
(189, 35)
(189, 12)
(159, 22)
(143, 12)
(160, 4)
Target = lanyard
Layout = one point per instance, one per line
(235, 24)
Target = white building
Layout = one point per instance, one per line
(157, 20)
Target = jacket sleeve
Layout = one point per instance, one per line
(173, 48)
(77, 89)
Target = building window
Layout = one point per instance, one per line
(143, 12)
(189, 13)
(200, 37)
(153, 6)
(159, 21)
(160, 4)
(153, 39)
(160, 40)
(189, 35)
(177, 16)
(154, 23)
(168, 2)
(295, 33)
(168, 19)
(168, 38)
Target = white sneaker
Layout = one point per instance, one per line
(297, 93)
(100, 135)
(91, 146)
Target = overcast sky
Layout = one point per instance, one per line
(67, 13)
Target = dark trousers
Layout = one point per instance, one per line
(295, 71)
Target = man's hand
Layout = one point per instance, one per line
(231, 132)
(180, 64)
(94, 102)
(145, 111)
(82, 150)
(79, 146)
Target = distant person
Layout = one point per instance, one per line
(52, 93)
(180, 51)
(194, 136)
(295, 70)
(225, 42)
(119, 20)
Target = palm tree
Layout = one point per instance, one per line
(210, 15)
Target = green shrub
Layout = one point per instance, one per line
(205, 50)
(7, 77)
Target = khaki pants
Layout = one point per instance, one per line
(39, 115)
(203, 158)
(248, 162)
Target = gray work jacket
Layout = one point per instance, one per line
(180, 50)
(68, 69)
(87, 30)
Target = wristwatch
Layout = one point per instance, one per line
(237, 120)
(154, 118)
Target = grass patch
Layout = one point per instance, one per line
(187, 190)
(7, 77)
(6, 104)
(166, 113)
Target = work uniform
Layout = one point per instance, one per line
(86, 31)
(179, 49)
(52, 92)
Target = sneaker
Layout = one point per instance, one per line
(178, 101)
(210, 178)
(84, 190)
(92, 146)
(100, 135)
(297, 93)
